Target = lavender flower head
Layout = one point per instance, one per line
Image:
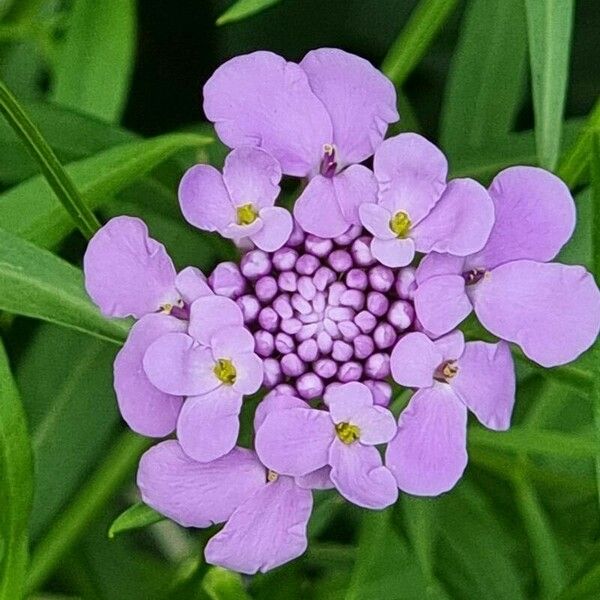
(363, 288)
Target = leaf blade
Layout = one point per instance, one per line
(135, 517)
(243, 9)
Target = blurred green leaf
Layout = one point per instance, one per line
(221, 584)
(16, 485)
(549, 24)
(486, 82)
(95, 63)
(120, 461)
(98, 177)
(416, 36)
(243, 9)
(135, 517)
(71, 427)
(38, 284)
(52, 170)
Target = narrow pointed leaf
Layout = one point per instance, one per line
(135, 517)
(243, 9)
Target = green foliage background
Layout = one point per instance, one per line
(103, 118)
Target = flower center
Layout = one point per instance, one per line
(246, 214)
(347, 432)
(225, 371)
(328, 162)
(474, 276)
(400, 224)
(446, 371)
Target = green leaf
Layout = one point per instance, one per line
(535, 441)
(50, 166)
(135, 517)
(16, 485)
(415, 38)
(487, 76)
(95, 63)
(98, 177)
(71, 428)
(243, 9)
(549, 24)
(38, 284)
(221, 584)
(75, 518)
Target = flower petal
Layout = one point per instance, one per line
(346, 400)
(176, 364)
(434, 264)
(192, 284)
(208, 425)
(411, 173)
(126, 271)
(376, 219)
(360, 100)
(260, 99)
(551, 310)
(295, 441)
(451, 346)
(211, 313)
(276, 229)
(535, 217)
(393, 253)
(414, 360)
(146, 409)
(428, 454)
(317, 480)
(354, 186)
(204, 199)
(359, 475)
(251, 176)
(249, 377)
(266, 531)
(441, 303)
(460, 223)
(196, 494)
(229, 341)
(485, 382)
(377, 425)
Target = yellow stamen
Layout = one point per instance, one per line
(347, 432)
(450, 369)
(272, 476)
(400, 224)
(225, 371)
(246, 214)
(166, 309)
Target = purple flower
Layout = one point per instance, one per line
(319, 119)
(428, 454)
(129, 273)
(215, 366)
(299, 440)
(551, 310)
(239, 203)
(265, 513)
(417, 210)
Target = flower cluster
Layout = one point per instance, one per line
(362, 288)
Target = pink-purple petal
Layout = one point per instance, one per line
(376, 219)
(209, 314)
(346, 400)
(395, 252)
(176, 364)
(277, 225)
(208, 425)
(460, 223)
(251, 176)
(359, 475)
(145, 408)
(260, 99)
(414, 360)
(354, 186)
(428, 455)
(441, 303)
(551, 310)
(204, 199)
(377, 425)
(249, 373)
(317, 480)
(275, 401)
(229, 341)
(535, 217)
(433, 264)
(196, 494)
(126, 271)
(411, 172)
(267, 530)
(295, 441)
(451, 346)
(360, 100)
(192, 284)
(485, 382)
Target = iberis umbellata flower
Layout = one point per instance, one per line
(329, 309)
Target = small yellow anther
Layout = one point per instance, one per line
(347, 432)
(225, 371)
(246, 214)
(449, 370)
(272, 476)
(400, 224)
